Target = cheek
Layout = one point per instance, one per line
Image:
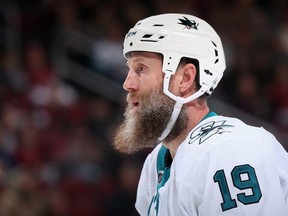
(151, 83)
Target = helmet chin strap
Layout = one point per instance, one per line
(179, 101)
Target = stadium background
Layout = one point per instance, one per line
(61, 69)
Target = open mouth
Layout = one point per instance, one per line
(133, 103)
(134, 106)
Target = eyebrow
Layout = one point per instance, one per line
(137, 60)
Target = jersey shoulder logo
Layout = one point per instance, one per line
(209, 129)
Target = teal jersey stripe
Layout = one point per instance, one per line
(210, 114)
(162, 171)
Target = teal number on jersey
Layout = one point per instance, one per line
(243, 177)
(251, 183)
(228, 202)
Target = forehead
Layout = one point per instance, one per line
(144, 57)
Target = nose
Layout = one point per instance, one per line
(131, 83)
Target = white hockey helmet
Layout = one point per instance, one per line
(176, 36)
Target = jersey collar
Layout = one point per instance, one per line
(210, 114)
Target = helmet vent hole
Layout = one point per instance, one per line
(161, 37)
(216, 61)
(214, 44)
(131, 44)
(158, 25)
(208, 72)
(147, 36)
(216, 52)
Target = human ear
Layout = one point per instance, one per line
(188, 79)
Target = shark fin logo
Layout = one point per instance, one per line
(188, 23)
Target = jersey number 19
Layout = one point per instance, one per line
(243, 177)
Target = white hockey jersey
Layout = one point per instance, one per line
(223, 168)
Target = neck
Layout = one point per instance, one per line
(196, 112)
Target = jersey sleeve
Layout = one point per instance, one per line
(237, 177)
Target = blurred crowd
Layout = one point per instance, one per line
(56, 157)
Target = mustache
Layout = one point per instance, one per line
(131, 95)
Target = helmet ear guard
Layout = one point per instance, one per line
(170, 64)
(176, 36)
(171, 61)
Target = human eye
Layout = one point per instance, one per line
(140, 69)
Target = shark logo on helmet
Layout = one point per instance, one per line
(188, 23)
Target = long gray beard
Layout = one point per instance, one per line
(142, 128)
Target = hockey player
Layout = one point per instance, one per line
(202, 164)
